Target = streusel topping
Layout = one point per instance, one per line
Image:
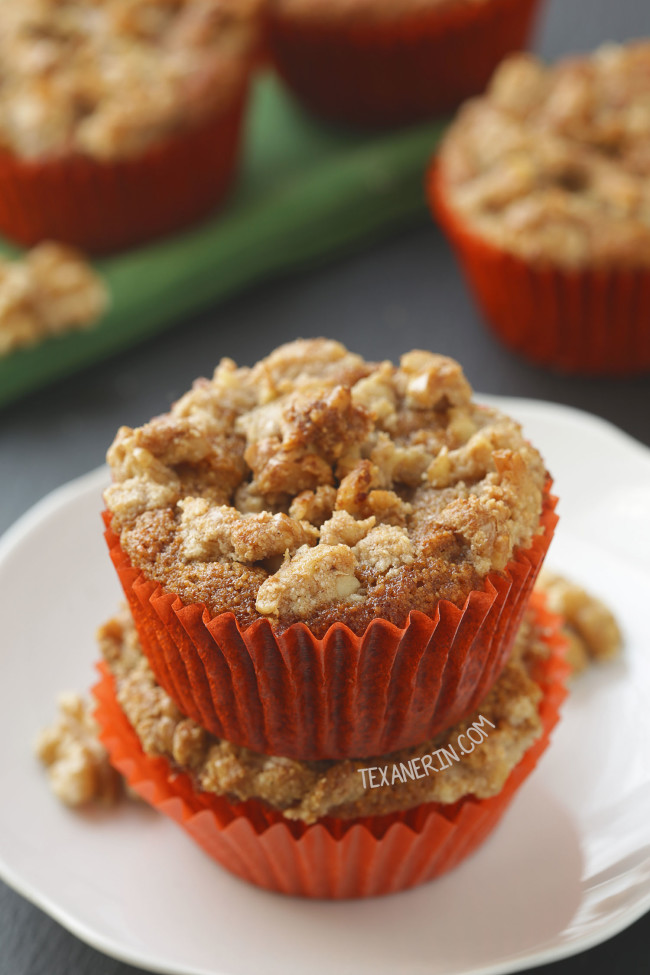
(318, 486)
(308, 790)
(107, 78)
(50, 290)
(553, 163)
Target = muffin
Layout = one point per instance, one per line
(119, 121)
(382, 62)
(334, 829)
(327, 557)
(542, 186)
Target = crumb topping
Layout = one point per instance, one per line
(49, 291)
(313, 578)
(107, 79)
(553, 163)
(77, 763)
(309, 790)
(318, 486)
(589, 625)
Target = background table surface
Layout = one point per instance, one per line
(398, 295)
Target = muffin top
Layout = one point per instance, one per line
(107, 78)
(505, 726)
(553, 163)
(319, 487)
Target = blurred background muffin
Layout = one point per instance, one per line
(119, 120)
(389, 62)
(543, 188)
(49, 291)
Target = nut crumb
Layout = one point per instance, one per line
(50, 290)
(552, 162)
(589, 625)
(77, 763)
(313, 578)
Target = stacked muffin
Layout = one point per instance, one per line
(332, 673)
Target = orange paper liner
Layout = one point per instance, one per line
(344, 695)
(104, 206)
(589, 321)
(381, 73)
(333, 858)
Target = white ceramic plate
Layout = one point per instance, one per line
(568, 867)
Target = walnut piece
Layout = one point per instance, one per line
(314, 506)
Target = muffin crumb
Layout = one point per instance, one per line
(77, 763)
(49, 291)
(313, 578)
(589, 625)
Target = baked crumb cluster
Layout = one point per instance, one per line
(49, 291)
(308, 790)
(588, 624)
(107, 78)
(319, 486)
(77, 763)
(553, 163)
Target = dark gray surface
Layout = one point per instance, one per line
(398, 295)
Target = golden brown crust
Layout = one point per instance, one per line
(109, 79)
(553, 163)
(505, 725)
(49, 291)
(320, 487)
